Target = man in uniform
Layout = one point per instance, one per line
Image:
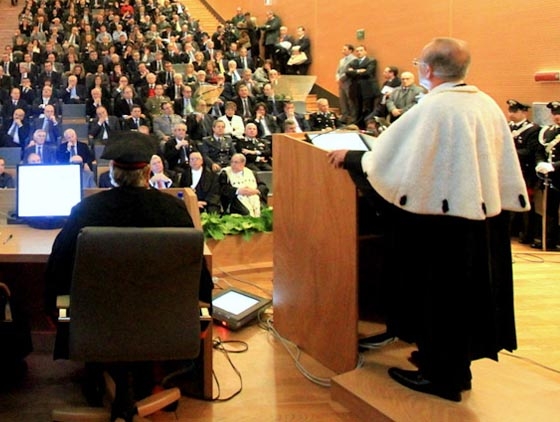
(548, 159)
(323, 119)
(130, 204)
(454, 295)
(525, 135)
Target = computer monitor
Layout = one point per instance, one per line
(46, 193)
(234, 308)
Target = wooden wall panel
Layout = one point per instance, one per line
(509, 41)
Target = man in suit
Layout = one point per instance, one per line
(244, 61)
(70, 147)
(123, 106)
(164, 124)
(303, 45)
(274, 105)
(347, 109)
(10, 67)
(5, 85)
(290, 113)
(200, 123)
(49, 124)
(46, 98)
(204, 182)
(97, 100)
(177, 149)
(14, 102)
(102, 126)
(404, 97)
(271, 30)
(15, 131)
(266, 123)
(185, 104)
(27, 92)
(37, 145)
(245, 103)
(364, 89)
(135, 120)
(49, 74)
(74, 93)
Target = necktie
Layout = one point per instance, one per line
(244, 62)
(246, 112)
(137, 123)
(40, 152)
(72, 150)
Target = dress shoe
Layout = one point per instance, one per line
(550, 247)
(415, 381)
(377, 341)
(415, 358)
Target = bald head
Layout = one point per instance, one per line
(449, 58)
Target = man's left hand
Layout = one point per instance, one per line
(336, 158)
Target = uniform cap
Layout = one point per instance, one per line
(554, 107)
(515, 105)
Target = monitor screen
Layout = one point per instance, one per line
(233, 302)
(334, 140)
(45, 190)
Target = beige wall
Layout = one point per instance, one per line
(510, 41)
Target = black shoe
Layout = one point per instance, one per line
(550, 247)
(415, 381)
(415, 358)
(377, 341)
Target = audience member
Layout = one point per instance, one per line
(404, 97)
(71, 147)
(165, 122)
(6, 180)
(234, 123)
(298, 118)
(217, 149)
(300, 58)
(257, 152)
(15, 131)
(204, 182)
(38, 146)
(158, 177)
(177, 149)
(323, 119)
(50, 124)
(241, 192)
(101, 128)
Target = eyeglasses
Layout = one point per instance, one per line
(417, 62)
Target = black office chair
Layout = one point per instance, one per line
(134, 298)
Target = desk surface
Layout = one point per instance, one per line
(26, 244)
(29, 245)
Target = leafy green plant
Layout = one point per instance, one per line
(218, 227)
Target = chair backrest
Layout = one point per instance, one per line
(11, 155)
(134, 294)
(73, 111)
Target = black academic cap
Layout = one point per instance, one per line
(515, 105)
(554, 107)
(130, 150)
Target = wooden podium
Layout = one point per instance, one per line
(316, 249)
